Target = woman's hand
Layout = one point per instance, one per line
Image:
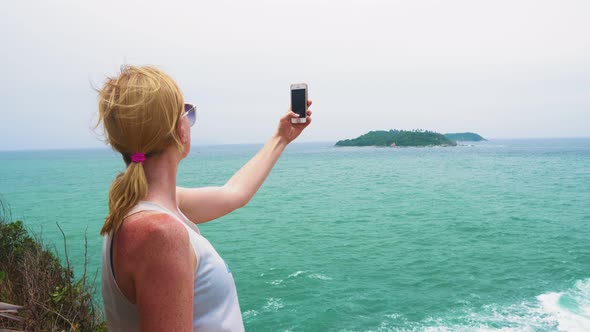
(288, 131)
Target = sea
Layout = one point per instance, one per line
(487, 236)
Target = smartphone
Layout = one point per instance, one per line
(299, 102)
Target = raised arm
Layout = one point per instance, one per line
(205, 204)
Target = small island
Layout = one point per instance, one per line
(395, 138)
(465, 137)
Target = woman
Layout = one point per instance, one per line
(158, 272)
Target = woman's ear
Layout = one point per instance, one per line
(183, 132)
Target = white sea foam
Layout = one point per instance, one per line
(276, 282)
(319, 276)
(394, 316)
(567, 311)
(295, 274)
(273, 304)
(249, 314)
(571, 309)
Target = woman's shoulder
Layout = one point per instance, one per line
(152, 248)
(151, 230)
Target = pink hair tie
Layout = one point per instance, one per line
(138, 157)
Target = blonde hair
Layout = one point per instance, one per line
(139, 110)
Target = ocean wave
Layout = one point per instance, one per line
(319, 276)
(273, 304)
(249, 314)
(567, 311)
(295, 274)
(291, 278)
(571, 309)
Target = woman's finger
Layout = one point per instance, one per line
(287, 116)
(307, 122)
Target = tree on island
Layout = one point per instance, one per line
(466, 137)
(417, 137)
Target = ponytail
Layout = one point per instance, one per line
(139, 111)
(126, 191)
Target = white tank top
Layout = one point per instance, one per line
(215, 301)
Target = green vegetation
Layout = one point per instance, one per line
(399, 138)
(468, 137)
(33, 277)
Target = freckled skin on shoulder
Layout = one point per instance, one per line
(134, 236)
(154, 267)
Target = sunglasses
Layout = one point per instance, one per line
(190, 111)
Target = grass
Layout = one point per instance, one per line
(32, 276)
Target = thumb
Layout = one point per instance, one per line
(288, 116)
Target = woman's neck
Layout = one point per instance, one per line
(160, 171)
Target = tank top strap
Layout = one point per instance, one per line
(151, 206)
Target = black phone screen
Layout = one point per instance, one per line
(298, 102)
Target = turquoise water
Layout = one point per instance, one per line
(490, 236)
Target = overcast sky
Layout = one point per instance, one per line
(504, 69)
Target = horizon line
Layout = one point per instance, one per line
(254, 143)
